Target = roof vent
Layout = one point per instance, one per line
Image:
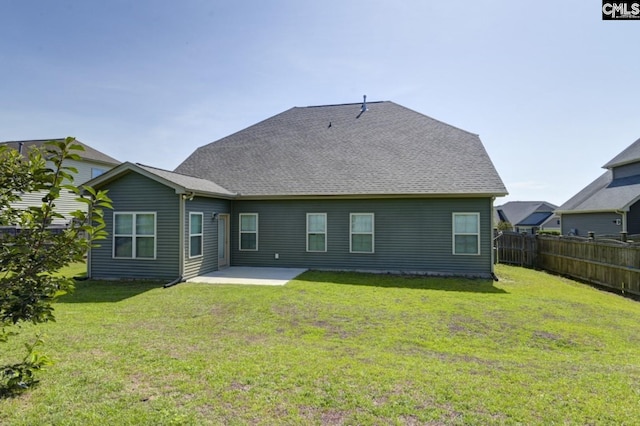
(363, 108)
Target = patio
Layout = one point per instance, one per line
(249, 275)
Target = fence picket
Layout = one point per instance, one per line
(608, 263)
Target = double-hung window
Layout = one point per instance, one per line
(249, 231)
(195, 234)
(134, 235)
(466, 233)
(362, 233)
(316, 232)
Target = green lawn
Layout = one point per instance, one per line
(339, 348)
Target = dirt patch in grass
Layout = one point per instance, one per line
(326, 416)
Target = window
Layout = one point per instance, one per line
(361, 230)
(134, 235)
(195, 234)
(316, 232)
(248, 231)
(466, 233)
(95, 172)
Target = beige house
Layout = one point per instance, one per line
(92, 164)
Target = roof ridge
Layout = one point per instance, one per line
(36, 140)
(345, 104)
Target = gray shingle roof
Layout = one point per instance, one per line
(189, 183)
(89, 153)
(630, 155)
(518, 212)
(603, 194)
(181, 183)
(336, 150)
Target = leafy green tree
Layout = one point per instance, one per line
(504, 226)
(30, 257)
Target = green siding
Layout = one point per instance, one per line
(209, 260)
(411, 235)
(135, 193)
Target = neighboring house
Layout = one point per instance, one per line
(92, 164)
(608, 205)
(527, 216)
(375, 187)
(551, 224)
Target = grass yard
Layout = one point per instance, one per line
(339, 348)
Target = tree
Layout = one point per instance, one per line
(504, 226)
(30, 257)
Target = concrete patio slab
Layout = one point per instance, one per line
(249, 275)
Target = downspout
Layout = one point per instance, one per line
(89, 212)
(493, 251)
(181, 213)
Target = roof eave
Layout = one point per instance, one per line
(623, 209)
(207, 194)
(241, 196)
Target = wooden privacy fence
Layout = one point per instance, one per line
(513, 248)
(608, 263)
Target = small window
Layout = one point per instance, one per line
(316, 232)
(95, 172)
(249, 231)
(361, 230)
(195, 234)
(466, 233)
(134, 235)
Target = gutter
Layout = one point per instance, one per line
(242, 197)
(182, 200)
(589, 211)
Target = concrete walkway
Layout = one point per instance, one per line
(249, 275)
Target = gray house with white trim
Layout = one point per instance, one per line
(608, 205)
(526, 216)
(371, 186)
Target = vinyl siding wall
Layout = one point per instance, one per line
(209, 260)
(66, 203)
(583, 223)
(411, 235)
(135, 193)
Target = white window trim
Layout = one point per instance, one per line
(317, 233)
(200, 234)
(133, 236)
(240, 231)
(454, 233)
(372, 233)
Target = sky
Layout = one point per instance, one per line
(551, 88)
